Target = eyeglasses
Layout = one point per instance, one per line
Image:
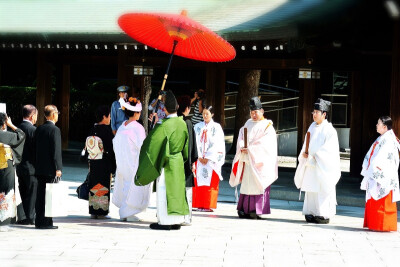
(315, 112)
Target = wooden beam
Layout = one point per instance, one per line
(43, 86)
(122, 71)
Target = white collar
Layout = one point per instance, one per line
(27, 121)
(172, 115)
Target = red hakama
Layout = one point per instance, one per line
(205, 197)
(381, 215)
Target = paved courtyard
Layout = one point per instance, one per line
(215, 239)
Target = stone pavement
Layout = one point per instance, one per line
(215, 239)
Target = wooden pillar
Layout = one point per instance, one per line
(306, 105)
(220, 96)
(122, 70)
(356, 124)
(249, 83)
(215, 91)
(43, 86)
(395, 80)
(63, 99)
(144, 91)
(211, 85)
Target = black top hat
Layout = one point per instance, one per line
(170, 102)
(322, 105)
(255, 103)
(123, 89)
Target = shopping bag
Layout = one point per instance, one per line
(56, 200)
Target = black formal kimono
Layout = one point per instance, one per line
(192, 153)
(48, 161)
(11, 147)
(100, 171)
(26, 172)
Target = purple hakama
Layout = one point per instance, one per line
(260, 204)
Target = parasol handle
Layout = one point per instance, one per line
(163, 84)
(169, 65)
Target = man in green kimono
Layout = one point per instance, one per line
(162, 157)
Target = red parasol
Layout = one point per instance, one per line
(164, 31)
(176, 34)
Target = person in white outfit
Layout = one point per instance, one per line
(319, 170)
(128, 197)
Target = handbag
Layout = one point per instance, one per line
(56, 199)
(83, 190)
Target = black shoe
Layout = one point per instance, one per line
(156, 226)
(46, 227)
(310, 218)
(321, 220)
(243, 215)
(254, 216)
(26, 222)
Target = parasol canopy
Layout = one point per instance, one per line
(177, 34)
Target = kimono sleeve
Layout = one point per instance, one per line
(16, 141)
(152, 158)
(216, 150)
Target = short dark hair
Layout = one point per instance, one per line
(3, 118)
(201, 93)
(183, 102)
(102, 111)
(28, 110)
(387, 121)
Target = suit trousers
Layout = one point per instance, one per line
(41, 220)
(28, 189)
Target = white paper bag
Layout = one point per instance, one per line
(56, 200)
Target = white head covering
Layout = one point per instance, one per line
(128, 106)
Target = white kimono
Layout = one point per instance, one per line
(318, 174)
(130, 198)
(261, 162)
(210, 142)
(380, 168)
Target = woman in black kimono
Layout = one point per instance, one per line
(101, 164)
(183, 110)
(11, 147)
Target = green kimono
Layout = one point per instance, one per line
(166, 147)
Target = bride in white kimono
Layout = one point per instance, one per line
(128, 197)
(210, 142)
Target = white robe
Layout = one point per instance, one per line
(380, 168)
(318, 174)
(261, 162)
(130, 198)
(210, 142)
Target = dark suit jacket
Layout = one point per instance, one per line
(48, 150)
(27, 167)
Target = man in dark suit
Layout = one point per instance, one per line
(48, 162)
(26, 169)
